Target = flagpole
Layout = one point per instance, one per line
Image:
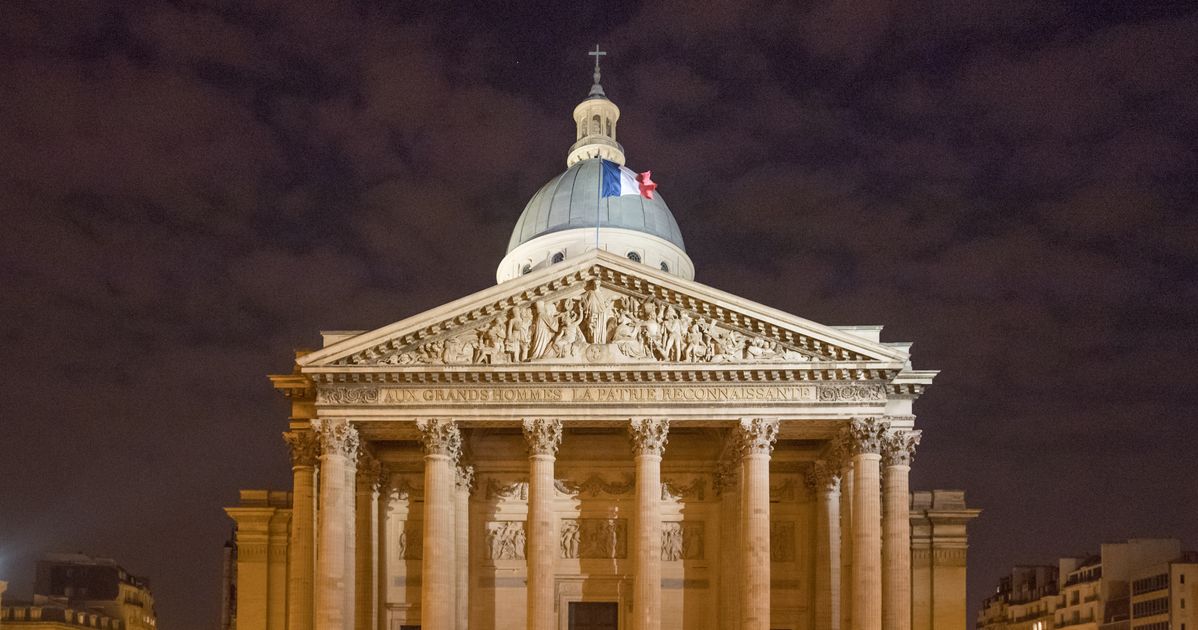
(598, 201)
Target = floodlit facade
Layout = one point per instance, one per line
(1140, 584)
(600, 442)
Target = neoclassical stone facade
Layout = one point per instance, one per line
(599, 442)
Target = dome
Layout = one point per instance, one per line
(570, 201)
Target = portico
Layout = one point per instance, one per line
(599, 441)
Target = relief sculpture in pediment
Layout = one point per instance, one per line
(596, 326)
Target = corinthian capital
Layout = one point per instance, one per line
(649, 435)
(864, 436)
(757, 435)
(898, 447)
(304, 446)
(440, 436)
(823, 477)
(543, 435)
(337, 437)
(465, 478)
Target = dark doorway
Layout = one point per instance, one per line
(594, 615)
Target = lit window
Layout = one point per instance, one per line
(665, 266)
(558, 257)
(634, 257)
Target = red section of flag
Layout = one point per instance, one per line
(647, 185)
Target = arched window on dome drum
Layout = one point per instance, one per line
(634, 257)
(525, 269)
(595, 126)
(558, 257)
(665, 266)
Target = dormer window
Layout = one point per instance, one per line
(558, 257)
(526, 268)
(634, 257)
(665, 266)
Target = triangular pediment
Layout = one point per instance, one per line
(600, 310)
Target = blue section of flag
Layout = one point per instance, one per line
(609, 179)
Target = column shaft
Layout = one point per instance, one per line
(649, 437)
(896, 550)
(826, 487)
(441, 447)
(339, 444)
(867, 543)
(543, 436)
(462, 544)
(846, 547)
(757, 439)
(366, 549)
(304, 450)
(349, 601)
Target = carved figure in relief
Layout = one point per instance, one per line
(608, 538)
(671, 542)
(544, 328)
(696, 344)
(519, 333)
(506, 540)
(596, 312)
(493, 343)
(571, 538)
(674, 329)
(625, 338)
(569, 340)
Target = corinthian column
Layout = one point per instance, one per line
(898, 448)
(824, 483)
(757, 437)
(442, 443)
(864, 439)
(465, 480)
(728, 484)
(305, 448)
(543, 435)
(648, 443)
(338, 449)
(366, 548)
(840, 454)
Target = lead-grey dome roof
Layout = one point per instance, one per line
(569, 201)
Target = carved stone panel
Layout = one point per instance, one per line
(594, 538)
(506, 540)
(505, 490)
(596, 485)
(782, 541)
(681, 541)
(674, 489)
(595, 325)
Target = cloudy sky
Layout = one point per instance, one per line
(192, 189)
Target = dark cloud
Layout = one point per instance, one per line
(192, 189)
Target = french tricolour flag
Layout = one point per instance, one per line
(617, 181)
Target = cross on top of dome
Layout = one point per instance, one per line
(596, 89)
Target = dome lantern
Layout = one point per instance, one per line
(595, 123)
(575, 212)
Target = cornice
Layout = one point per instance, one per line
(854, 373)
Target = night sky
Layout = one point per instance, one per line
(191, 190)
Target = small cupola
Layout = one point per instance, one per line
(595, 121)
